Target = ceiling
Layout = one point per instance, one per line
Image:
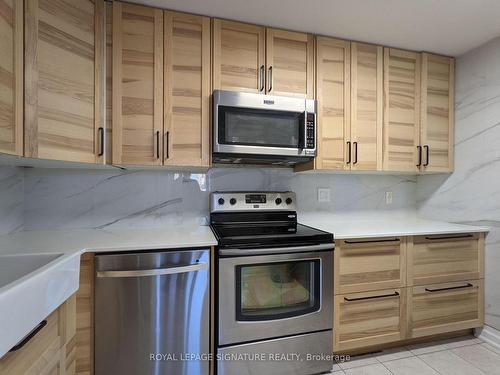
(450, 27)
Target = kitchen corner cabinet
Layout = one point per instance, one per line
(63, 46)
(401, 110)
(11, 77)
(51, 350)
(137, 84)
(186, 90)
(437, 109)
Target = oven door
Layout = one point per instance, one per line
(268, 296)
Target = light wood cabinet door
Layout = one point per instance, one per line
(11, 77)
(438, 259)
(333, 85)
(63, 74)
(436, 118)
(440, 308)
(369, 318)
(401, 110)
(290, 63)
(187, 90)
(365, 265)
(238, 56)
(137, 84)
(366, 106)
(51, 350)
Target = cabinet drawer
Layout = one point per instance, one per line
(440, 259)
(367, 265)
(439, 308)
(370, 318)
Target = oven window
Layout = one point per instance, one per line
(277, 290)
(242, 126)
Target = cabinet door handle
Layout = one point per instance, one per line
(29, 336)
(468, 285)
(395, 294)
(157, 144)
(372, 241)
(262, 78)
(450, 237)
(348, 152)
(101, 141)
(419, 148)
(270, 79)
(355, 144)
(167, 142)
(427, 155)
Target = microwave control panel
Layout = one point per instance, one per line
(310, 131)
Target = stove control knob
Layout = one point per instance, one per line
(289, 201)
(232, 201)
(221, 201)
(278, 201)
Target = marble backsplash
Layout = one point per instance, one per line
(471, 194)
(11, 199)
(55, 198)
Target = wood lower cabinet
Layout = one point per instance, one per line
(446, 307)
(11, 77)
(63, 46)
(51, 351)
(369, 318)
(437, 109)
(137, 84)
(437, 259)
(239, 56)
(366, 265)
(187, 90)
(401, 110)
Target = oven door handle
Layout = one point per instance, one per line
(277, 250)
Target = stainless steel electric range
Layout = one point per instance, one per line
(274, 287)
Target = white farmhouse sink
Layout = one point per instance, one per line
(32, 286)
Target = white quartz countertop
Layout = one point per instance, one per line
(30, 299)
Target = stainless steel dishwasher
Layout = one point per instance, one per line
(152, 313)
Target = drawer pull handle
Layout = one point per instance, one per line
(373, 241)
(29, 336)
(468, 285)
(395, 294)
(450, 237)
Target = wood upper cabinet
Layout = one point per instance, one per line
(401, 110)
(366, 106)
(290, 63)
(436, 116)
(63, 73)
(137, 84)
(333, 84)
(238, 56)
(187, 90)
(11, 77)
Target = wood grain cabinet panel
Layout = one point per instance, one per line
(369, 318)
(51, 351)
(366, 265)
(187, 90)
(137, 84)
(239, 56)
(11, 77)
(437, 120)
(401, 110)
(438, 259)
(290, 63)
(63, 53)
(440, 308)
(366, 106)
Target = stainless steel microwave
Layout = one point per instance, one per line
(262, 129)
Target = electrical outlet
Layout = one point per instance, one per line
(323, 195)
(388, 197)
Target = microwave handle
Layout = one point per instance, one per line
(303, 133)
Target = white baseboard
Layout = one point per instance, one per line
(489, 334)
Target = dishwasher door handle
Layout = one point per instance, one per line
(153, 272)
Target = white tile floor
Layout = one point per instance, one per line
(460, 356)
